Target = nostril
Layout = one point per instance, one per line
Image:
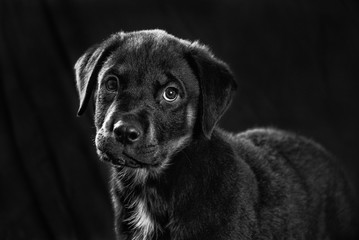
(133, 134)
(120, 131)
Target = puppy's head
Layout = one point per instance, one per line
(152, 90)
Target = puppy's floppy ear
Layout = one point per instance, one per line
(216, 83)
(87, 68)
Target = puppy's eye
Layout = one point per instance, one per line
(170, 94)
(111, 83)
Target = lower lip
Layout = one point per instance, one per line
(125, 160)
(149, 153)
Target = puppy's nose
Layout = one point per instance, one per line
(126, 133)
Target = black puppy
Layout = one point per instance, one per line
(175, 175)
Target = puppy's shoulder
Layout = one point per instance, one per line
(280, 140)
(279, 147)
(272, 143)
(260, 138)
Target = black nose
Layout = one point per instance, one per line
(126, 133)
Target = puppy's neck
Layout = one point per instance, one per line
(145, 210)
(147, 201)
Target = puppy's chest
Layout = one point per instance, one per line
(144, 214)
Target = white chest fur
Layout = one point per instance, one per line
(140, 221)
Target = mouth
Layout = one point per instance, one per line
(126, 160)
(147, 150)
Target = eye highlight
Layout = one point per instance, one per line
(170, 94)
(111, 83)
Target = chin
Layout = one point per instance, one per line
(139, 174)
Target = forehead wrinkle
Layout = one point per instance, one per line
(148, 51)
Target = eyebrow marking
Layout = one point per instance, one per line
(172, 77)
(119, 70)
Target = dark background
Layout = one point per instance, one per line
(296, 62)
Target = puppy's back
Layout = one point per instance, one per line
(301, 189)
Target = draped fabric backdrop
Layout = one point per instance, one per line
(296, 62)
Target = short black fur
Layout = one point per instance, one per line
(193, 180)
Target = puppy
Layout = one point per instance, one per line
(175, 175)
